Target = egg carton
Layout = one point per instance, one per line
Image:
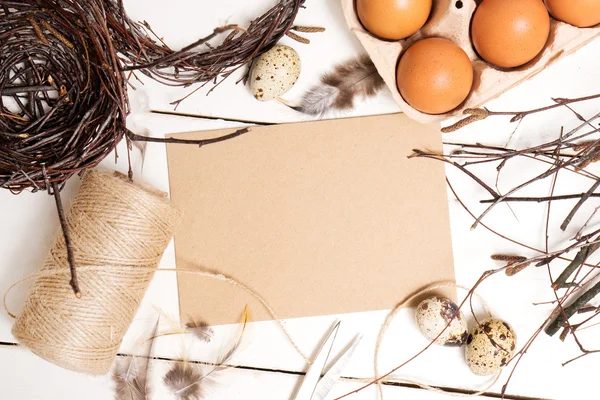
(451, 19)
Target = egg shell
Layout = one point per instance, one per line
(452, 19)
(490, 346)
(393, 19)
(432, 316)
(510, 33)
(580, 13)
(434, 75)
(274, 72)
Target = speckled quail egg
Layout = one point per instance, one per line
(434, 314)
(274, 72)
(490, 346)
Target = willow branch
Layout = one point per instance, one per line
(580, 258)
(177, 54)
(13, 90)
(478, 114)
(542, 199)
(67, 236)
(199, 142)
(569, 311)
(421, 154)
(582, 200)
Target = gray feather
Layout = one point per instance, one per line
(200, 329)
(131, 373)
(318, 99)
(339, 88)
(183, 380)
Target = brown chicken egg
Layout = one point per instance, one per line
(393, 19)
(434, 75)
(580, 13)
(510, 33)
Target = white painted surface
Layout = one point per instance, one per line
(30, 222)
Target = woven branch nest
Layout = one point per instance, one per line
(187, 66)
(72, 112)
(63, 70)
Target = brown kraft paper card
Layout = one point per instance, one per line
(320, 218)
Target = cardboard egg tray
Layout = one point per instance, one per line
(451, 19)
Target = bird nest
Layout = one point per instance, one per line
(68, 94)
(64, 66)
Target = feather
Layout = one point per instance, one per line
(200, 329)
(225, 358)
(183, 380)
(131, 373)
(338, 89)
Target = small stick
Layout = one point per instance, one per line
(13, 90)
(563, 317)
(582, 255)
(477, 114)
(65, 228)
(587, 309)
(541, 199)
(582, 200)
(174, 55)
(200, 142)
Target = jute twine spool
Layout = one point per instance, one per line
(119, 232)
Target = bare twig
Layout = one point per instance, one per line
(582, 255)
(569, 311)
(543, 198)
(582, 200)
(67, 236)
(478, 114)
(199, 142)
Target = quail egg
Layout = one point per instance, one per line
(490, 346)
(434, 314)
(274, 72)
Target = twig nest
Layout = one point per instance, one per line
(490, 346)
(434, 314)
(274, 72)
(69, 100)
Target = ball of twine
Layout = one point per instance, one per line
(119, 231)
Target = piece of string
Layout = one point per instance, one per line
(234, 282)
(208, 274)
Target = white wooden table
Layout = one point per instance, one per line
(268, 367)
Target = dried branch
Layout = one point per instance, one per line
(570, 152)
(199, 142)
(582, 200)
(571, 310)
(542, 199)
(580, 258)
(478, 114)
(68, 244)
